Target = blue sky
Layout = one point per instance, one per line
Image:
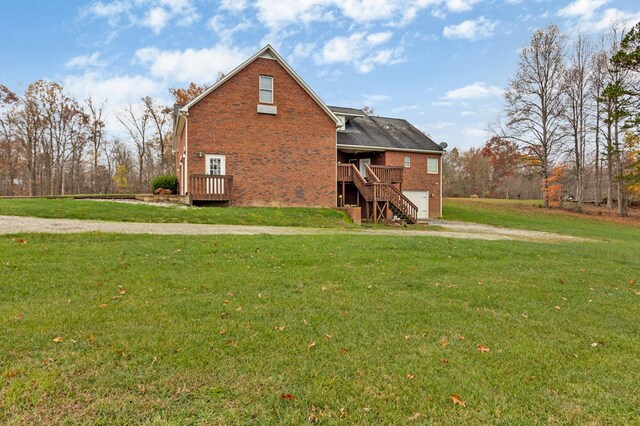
(441, 64)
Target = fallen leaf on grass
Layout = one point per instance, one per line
(410, 376)
(91, 339)
(103, 305)
(20, 241)
(343, 413)
(222, 332)
(311, 345)
(279, 328)
(327, 337)
(232, 343)
(632, 281)
(12, 374)
(461, 337)
(142, 389)
(444, 342)
(121, 290)
(344, 350)
(313, 416)
(445, 360)
(457, 400)
(483, 348)
(594, 344)
(58, 339)
(414, 417)
(558, 308)
(560, 280)
(288, 396)
(226, 301)
(19, 317)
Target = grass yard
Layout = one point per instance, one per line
(122, 329)
(67, 208)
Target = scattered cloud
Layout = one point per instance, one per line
(85, 61)
(473, 29)
(581, 8)
(189, 65)
(476, 90)
(476, 133)
(154, 14)
(361, 50)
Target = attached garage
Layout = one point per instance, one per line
(421, 200)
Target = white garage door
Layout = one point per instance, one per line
(421, 200)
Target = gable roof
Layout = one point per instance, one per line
(385, 133)
(266, 52)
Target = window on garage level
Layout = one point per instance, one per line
(432, 166)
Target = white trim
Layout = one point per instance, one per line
(381, 148)
(268, 48)
(441, 187)
(186, 155)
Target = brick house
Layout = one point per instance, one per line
(261, 137)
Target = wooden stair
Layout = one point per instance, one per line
(382, 199)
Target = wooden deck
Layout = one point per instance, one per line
(210, 187)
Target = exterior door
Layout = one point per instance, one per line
(215, 165)
(363, 163)
(421, 200)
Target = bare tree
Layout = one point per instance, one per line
(534, 105)
(137, 125)
(160, 116)
(96, 136)
(598, 71)
(576, 87)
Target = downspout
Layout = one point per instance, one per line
(441, 171)
(186, 155)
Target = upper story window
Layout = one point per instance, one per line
(407, 161)
(432, 166)
(266, 89)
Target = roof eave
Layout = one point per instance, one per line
(386, 148)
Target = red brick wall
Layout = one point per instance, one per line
(288, 159)
(416, 178)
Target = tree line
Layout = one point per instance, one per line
(54, 144)
(570, 127)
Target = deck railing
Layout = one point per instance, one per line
(388, 174)
(210, 187)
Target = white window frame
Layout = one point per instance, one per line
(265, 90)
(407, 161)
(223, 163)
(430, 162)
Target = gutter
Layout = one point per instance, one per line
(382, 148)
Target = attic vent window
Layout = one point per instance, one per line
(266, 89)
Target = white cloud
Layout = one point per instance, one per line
(471, 29)
(468, 113)
(156, 19)
(155, 14)
(358, 49)
(582, 8)
(85, 61)
(225, 32)
(233, 5)
(461, 5)
(199, 66)
(476, 133)
(117, 89)
(476, 90)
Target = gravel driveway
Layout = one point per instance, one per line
(19, 224)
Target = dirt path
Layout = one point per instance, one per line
(19, 224)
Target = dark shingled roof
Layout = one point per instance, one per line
(346, 111)
(384, 132)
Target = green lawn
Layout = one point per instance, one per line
(197, 330)
(137, 212)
